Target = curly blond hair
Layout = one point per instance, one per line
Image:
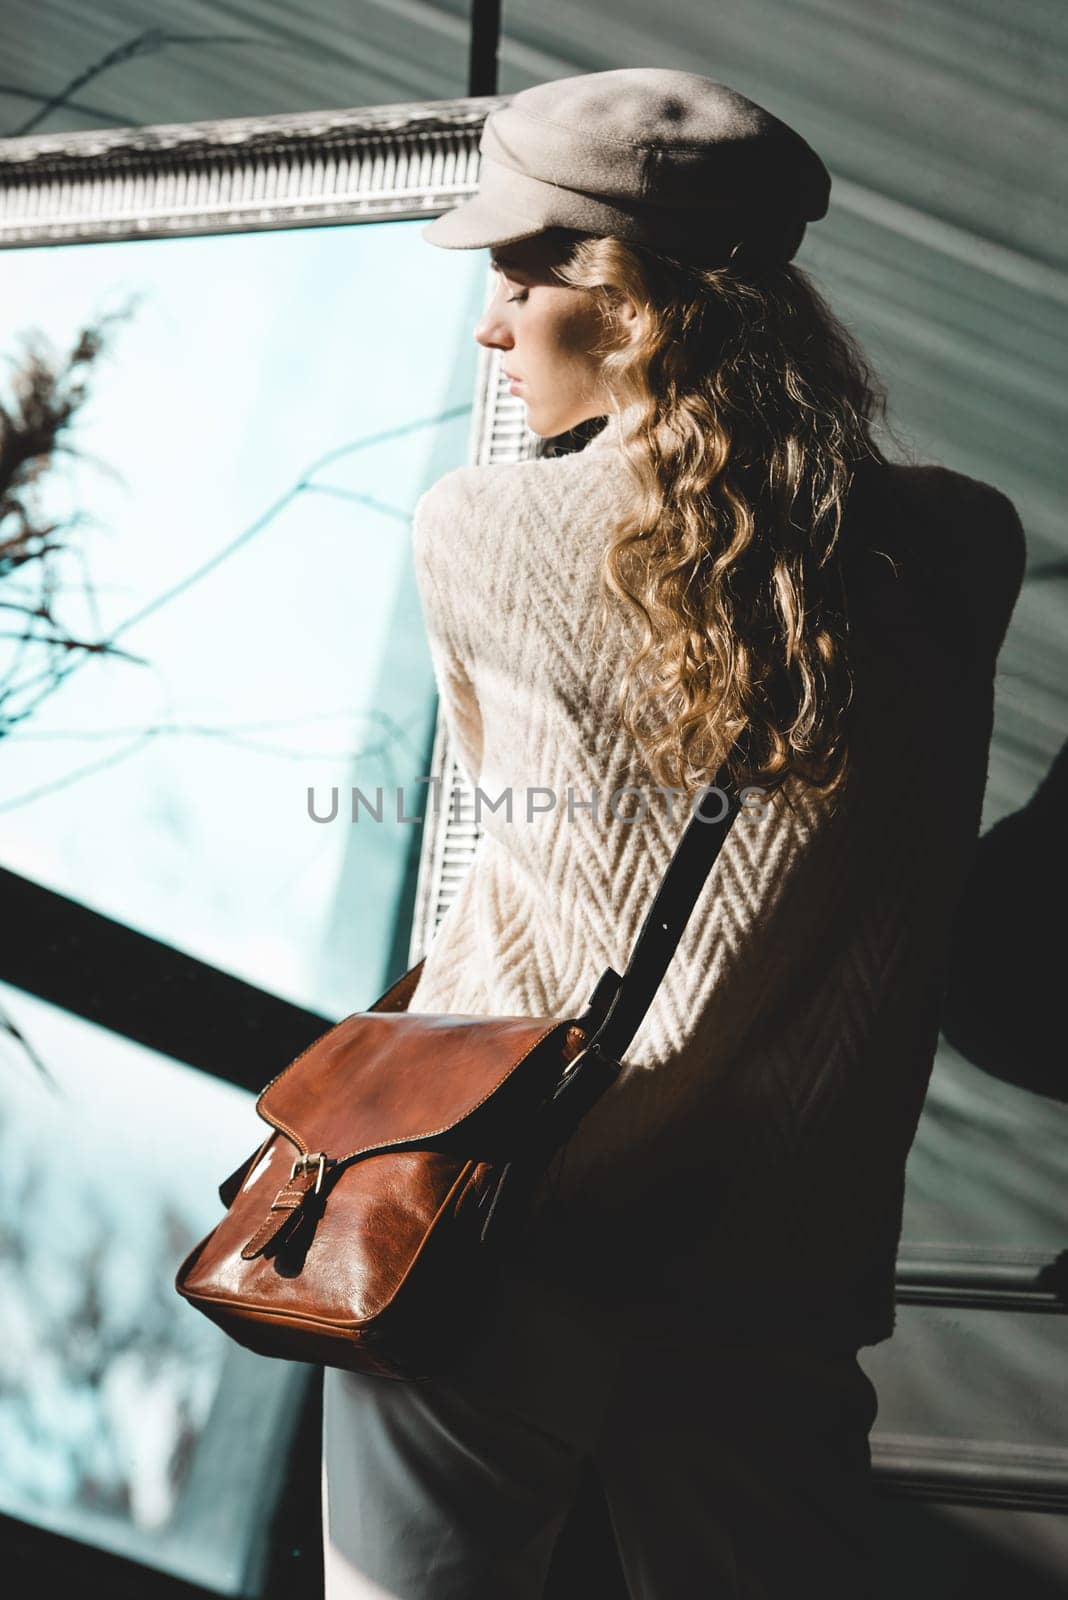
(745, 407)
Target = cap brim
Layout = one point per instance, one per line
(479, 224)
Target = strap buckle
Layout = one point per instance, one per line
(307, 1164)
(573, 1063)
(592, 1048)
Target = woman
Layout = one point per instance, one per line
(731, 558)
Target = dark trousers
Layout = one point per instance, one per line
(732, 1471)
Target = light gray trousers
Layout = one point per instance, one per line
(731, 1471)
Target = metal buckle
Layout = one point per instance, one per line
(574, 1061)
(305, 1164)
(586, 1048)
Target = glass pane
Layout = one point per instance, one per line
(127, 1420)
(256, 434)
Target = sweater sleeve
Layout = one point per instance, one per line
(446, 640)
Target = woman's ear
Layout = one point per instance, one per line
(627, 320)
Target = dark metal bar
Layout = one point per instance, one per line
(965, 1477)
(39, 1561)
(485, 42)
(1025, 1279)
(136, 986)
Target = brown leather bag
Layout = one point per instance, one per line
(367, 1228)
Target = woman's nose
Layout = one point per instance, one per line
(492, 331)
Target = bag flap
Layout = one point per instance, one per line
(383, 1078)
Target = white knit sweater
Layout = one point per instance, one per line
(752, 1153)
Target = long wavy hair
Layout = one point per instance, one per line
(745, 407)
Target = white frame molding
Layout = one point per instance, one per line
(243, 174)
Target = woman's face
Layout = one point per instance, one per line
(546, 332)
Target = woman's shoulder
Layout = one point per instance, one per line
(955, 543)
(952, 517)
(526, 495)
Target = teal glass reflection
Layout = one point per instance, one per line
(256, 434)
(127, 1420)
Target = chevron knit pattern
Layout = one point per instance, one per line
(751, 1155)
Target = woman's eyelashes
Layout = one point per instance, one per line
(521, 296)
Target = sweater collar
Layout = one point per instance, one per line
(612, 434)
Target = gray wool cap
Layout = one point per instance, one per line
(650, 154)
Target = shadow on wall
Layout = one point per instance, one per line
(1003, 1008)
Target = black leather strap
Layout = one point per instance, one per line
(619, 1003)
(666, 918)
